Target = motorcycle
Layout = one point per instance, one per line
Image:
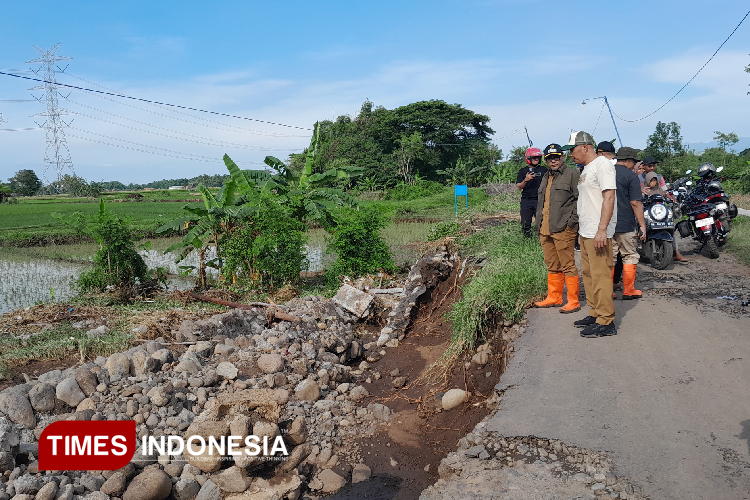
(659, 244)
(709, 215)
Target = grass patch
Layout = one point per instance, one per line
(513, 275)
(739, 239)
(60, 341)
(436, 206)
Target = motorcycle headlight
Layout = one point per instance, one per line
(658, 212)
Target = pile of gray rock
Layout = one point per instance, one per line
(238, 375)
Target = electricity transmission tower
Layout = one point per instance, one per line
(56, 154)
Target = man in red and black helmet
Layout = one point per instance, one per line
(528, 181)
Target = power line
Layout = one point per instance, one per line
(599, 118)
(205, 159)
(693, 78)
(223, 125)
(152, 101)
(222, 143)
(137, 143)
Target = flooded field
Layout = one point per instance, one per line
(44, 274)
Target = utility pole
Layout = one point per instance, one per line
(56, 154)
(610, 114)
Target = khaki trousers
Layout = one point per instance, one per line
(597, 279)
(625, 243)
(559, 252)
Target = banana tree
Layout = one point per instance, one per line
(209, 224)
(310, 195)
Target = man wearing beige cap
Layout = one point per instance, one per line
(597, 216)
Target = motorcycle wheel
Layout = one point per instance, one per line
(663, 254)
(713, 248)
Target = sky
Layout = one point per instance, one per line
(521, 62)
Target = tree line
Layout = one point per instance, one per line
(425, 145)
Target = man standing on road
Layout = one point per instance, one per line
(528, 181)
(597, 216)
(557, 225)
(629, 210)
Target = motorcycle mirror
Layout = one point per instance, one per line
(688, 172)
(689, 183)
(719, 169)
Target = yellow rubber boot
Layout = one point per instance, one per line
(628, 282)
(574, 288)
(555, 285)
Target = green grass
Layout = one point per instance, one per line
(58, 342)
(438, 206)
(739, 239)
(29, 222)
(512, 277)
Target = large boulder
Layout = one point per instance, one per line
(42, 397)
(115, 485)
(353, 300)
(232, 480)
(307, 390)
(87, 381)
(209, 491)
(151, 484)
(143, 362)
(453, 398)
(69, 392)
(227, 370)
(205, 461)
(270, 363)
(16, 405)
(158, 396)
(10, 438)
(118, 366)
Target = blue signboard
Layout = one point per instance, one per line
(460, 190)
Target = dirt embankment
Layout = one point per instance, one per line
(405, 454)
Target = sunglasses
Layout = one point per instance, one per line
(555, 156)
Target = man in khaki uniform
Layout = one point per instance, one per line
(557, 225)
(597, 216)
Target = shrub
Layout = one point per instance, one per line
(443, 229)
(268, 248)
(357, 242)
(421, 189)
(117, 262)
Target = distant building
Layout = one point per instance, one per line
(177, 187)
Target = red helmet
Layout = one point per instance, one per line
(531, 152)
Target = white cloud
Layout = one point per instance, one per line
(715, 101)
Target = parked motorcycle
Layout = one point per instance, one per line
(659, 244)
(708, 210)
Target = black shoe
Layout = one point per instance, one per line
(588, 320)
(597, 330)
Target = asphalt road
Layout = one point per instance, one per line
(668, 397)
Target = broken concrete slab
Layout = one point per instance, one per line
(353, 300)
